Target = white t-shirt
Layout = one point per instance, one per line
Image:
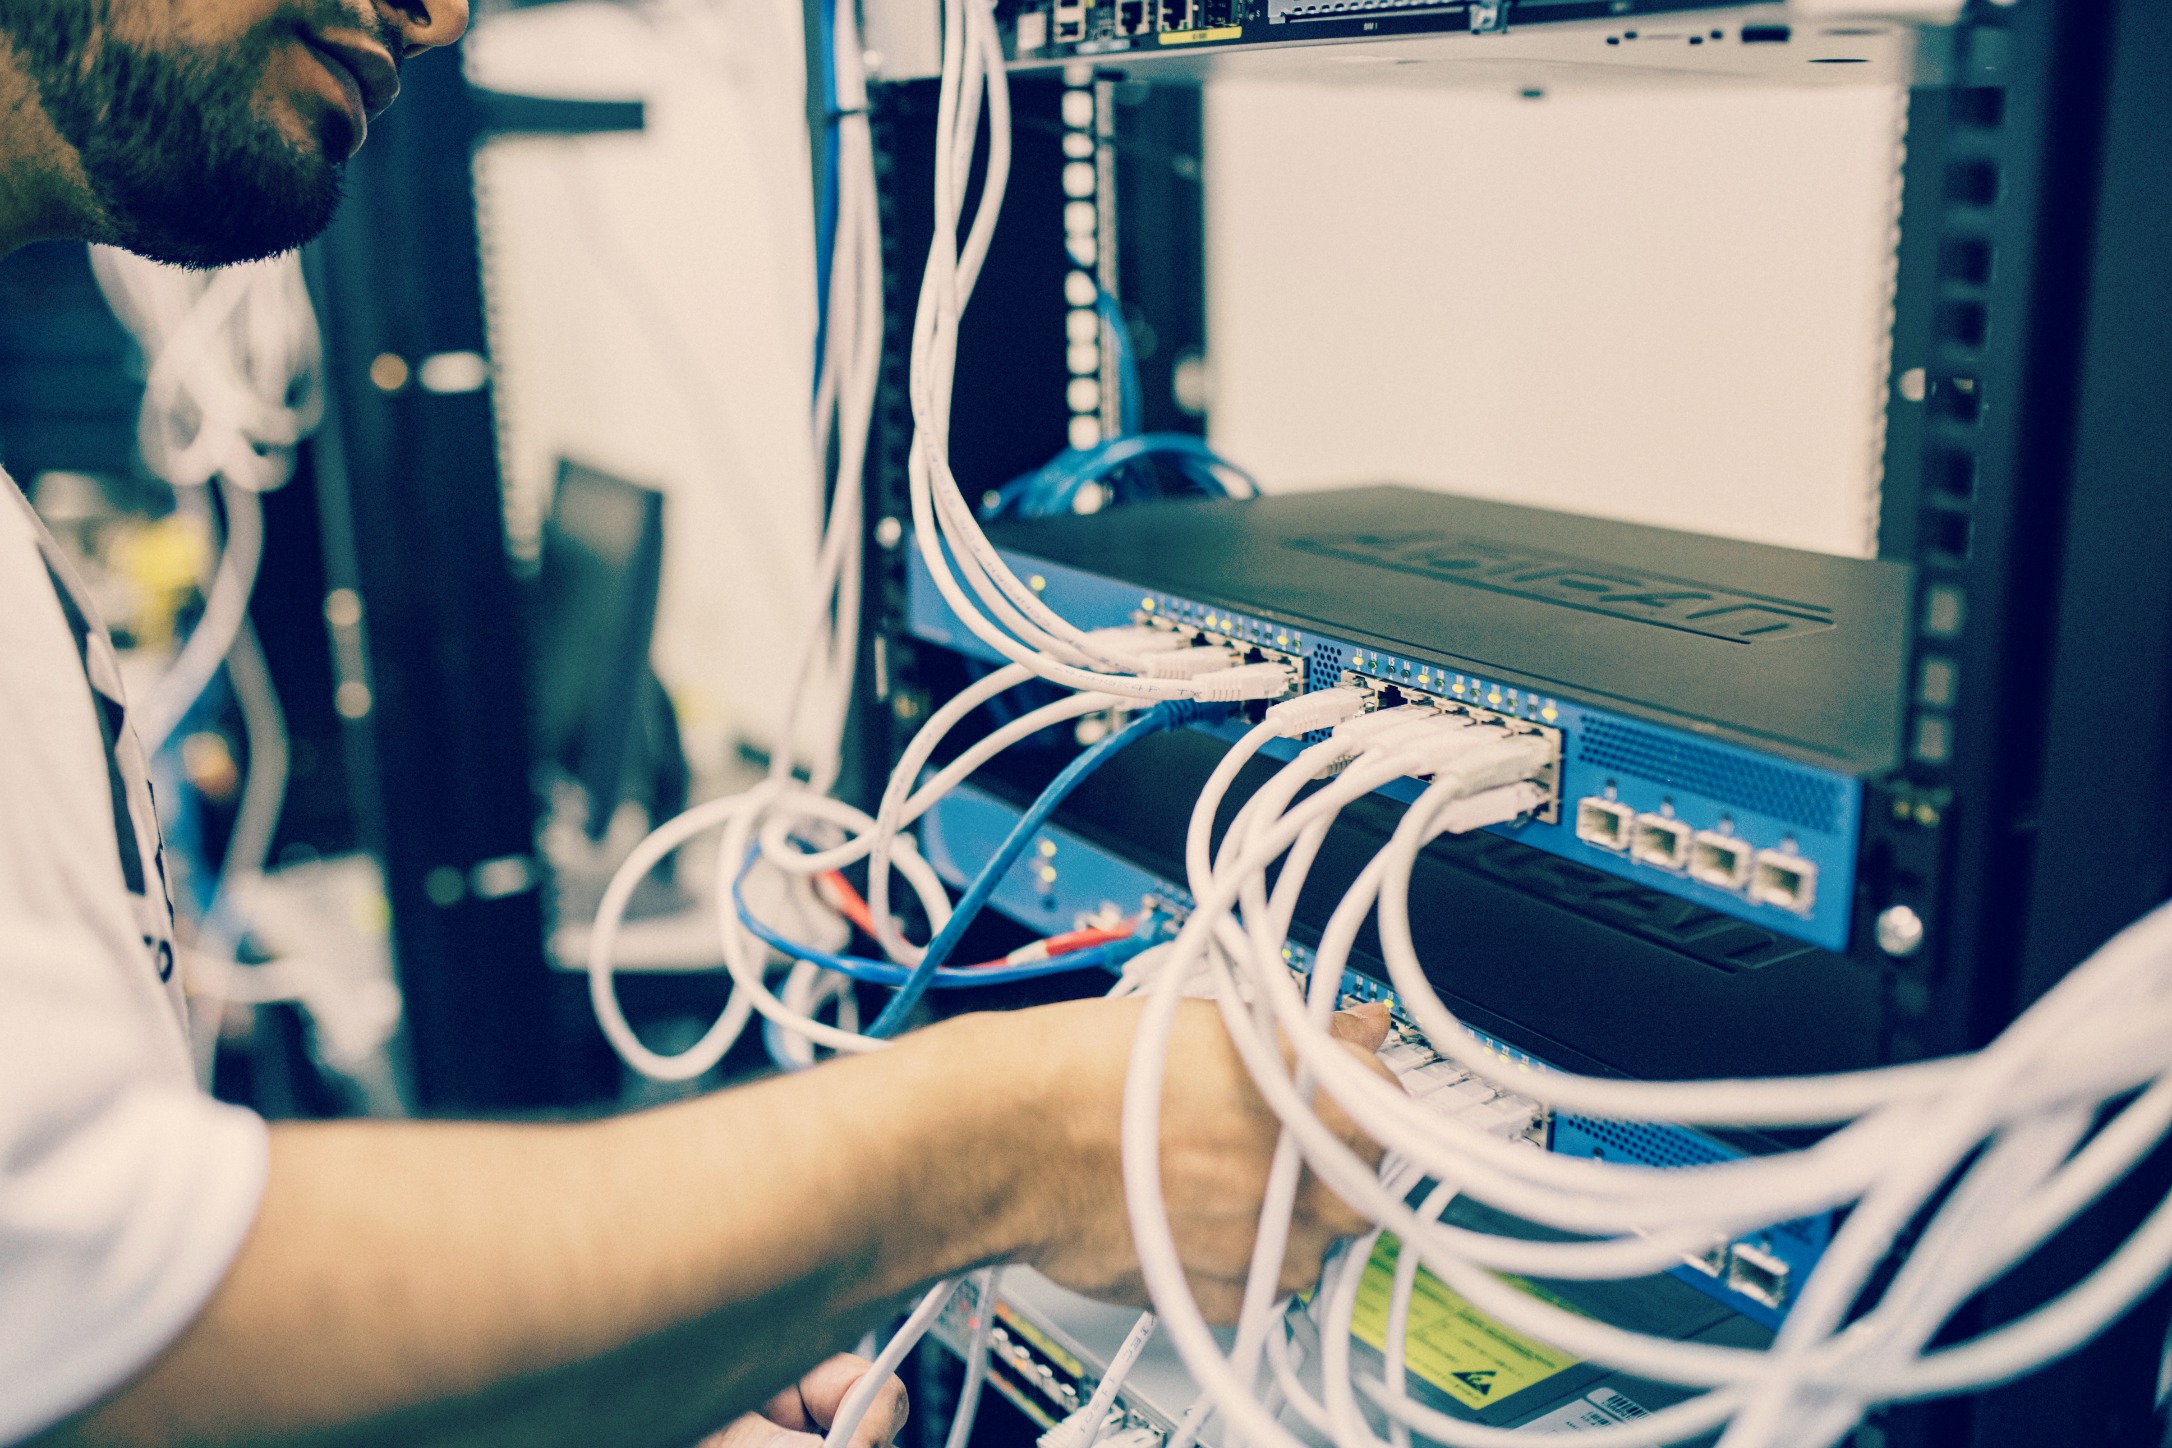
(124, 1190)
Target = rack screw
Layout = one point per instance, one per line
(1900, 931)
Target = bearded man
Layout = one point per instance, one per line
(176, 1271)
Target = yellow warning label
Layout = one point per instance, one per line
(1451, 1344)
(1193, 37)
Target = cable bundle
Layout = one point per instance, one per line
(787, 827)
(234, 381)
(1989, 1154)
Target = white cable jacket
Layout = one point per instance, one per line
(2030, 1097)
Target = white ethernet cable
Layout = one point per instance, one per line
(1041, 644)
(234, 382)
(1084, 1426)
(862, 1396)
(2013, 1115)
(985, 1283)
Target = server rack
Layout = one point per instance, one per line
(2023, 481)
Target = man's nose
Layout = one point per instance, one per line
(425, 24)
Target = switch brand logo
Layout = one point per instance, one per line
(1676, 603)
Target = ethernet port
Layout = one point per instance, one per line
(1130, 17)
(1604, 823)
(1721, 861)
(1757, 1274)
(1661, 841)
(1788, 881)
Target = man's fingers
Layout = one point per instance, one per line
(1366, 1025)
(788, 1410)
(756, 1431)
(824, 1390)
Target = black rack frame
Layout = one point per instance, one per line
(2023, 478)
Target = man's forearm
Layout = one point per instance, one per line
(634, 1281)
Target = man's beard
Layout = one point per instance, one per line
(182, 165)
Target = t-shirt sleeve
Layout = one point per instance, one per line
(122, 1203)
(124, 1190)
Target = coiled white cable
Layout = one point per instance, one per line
(2026, 1104)
(234, 381)
(1041, 644)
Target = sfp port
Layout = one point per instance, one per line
(1757, 1274)
(1661, 841)
(1788, 881)
(1721, 861)
(1604, 823)
(1712, 1261)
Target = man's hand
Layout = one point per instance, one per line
(799, 1416)
(1217, 1141)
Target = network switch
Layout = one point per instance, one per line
(1079, 882)
(1716, 706)
(1186, 38)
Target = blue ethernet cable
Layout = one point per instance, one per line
(1169, 714)
(1051, 488)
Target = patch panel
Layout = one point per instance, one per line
(1756, 1276)
(1613, 768)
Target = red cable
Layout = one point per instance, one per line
(853, 906)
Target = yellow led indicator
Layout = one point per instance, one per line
(1048, 874)
(1037, 583)
(1283, 639)
(1494, 697)
(1048, 847)
(1458, 686)
(1549, 713)
(1147, 604)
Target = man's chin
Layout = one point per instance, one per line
(245, 223)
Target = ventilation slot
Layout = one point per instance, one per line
(1803, 800)
(1324, 669)
(1647, 1145)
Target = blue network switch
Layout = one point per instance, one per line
(1749, 834)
